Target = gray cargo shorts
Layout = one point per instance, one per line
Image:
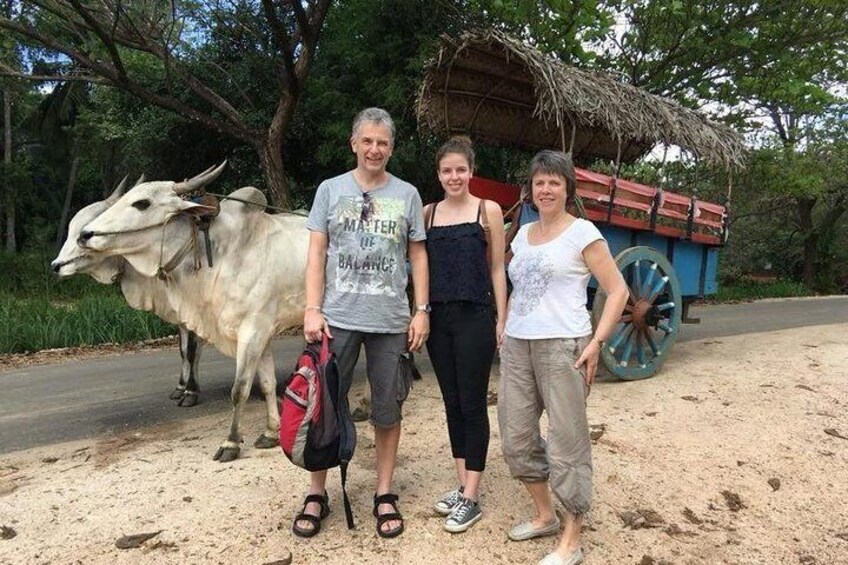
(388, 367)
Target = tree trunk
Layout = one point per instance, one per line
(271, 157)
(69, 194)
(810, 239)
(9, 191)
(108, 176)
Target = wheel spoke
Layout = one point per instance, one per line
(637, 277)
(651, 274)
(628, 349)
(664, 327)
(655, 291)
(652, 344)
(620, 336)
(664, 307)
(640, 350)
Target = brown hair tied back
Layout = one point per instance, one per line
(459, 144)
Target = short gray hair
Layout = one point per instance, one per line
(374, 115)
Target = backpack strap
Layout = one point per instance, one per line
(483, 214)
(348, 510)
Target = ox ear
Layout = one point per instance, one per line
(119, 190)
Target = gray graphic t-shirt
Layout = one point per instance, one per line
(365, 279)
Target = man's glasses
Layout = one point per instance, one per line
(367, 207)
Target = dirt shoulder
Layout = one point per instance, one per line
(732, 455)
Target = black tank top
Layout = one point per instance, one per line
(459, 270)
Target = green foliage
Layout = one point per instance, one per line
(40, 311)
(36, 323)
(27, 275)
(563, 28)
(755, 290)
(733, 51)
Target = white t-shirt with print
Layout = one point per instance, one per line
(549, 284)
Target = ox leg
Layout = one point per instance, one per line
(186, 392)
(247, 361)
(268, 383)
(194, 348)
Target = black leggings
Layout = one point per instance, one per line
(462, 345)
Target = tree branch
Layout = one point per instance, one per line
(236, 129)
(303, 21)
(281, 39)
(106, 39)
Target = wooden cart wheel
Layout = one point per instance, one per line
(648, 328)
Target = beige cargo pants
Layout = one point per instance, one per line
(539, 375)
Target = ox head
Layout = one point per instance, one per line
(73, 258)
(135, 224)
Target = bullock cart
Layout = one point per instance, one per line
(498, 90)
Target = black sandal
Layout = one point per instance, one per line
(392, 499)
(324, 501)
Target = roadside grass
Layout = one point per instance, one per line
(755, 290)
(33, 324)
(39, 311)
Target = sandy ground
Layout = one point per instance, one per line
(723, 458)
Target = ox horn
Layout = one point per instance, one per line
(119, 190)
(200, 180)
(140, 180)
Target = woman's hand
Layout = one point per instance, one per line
(499, 332)
(314, 324)
(589, 357)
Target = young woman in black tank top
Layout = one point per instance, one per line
(465, 248)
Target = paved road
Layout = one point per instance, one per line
(79, 399)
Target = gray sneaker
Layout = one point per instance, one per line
(464, 515)
(450, 499)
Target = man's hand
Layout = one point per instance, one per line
(314, 324)
(419, 329)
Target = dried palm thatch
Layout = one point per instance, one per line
(497, 89)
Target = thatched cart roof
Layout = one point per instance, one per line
(496, 89)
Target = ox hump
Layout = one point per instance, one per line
(246, 200)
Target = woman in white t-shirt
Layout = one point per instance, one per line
(549, 355)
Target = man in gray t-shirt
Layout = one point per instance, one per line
(364, 225)
(368, 234)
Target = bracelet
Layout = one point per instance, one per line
(600, 342)
(316, 308)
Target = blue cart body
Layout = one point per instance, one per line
(696, 264)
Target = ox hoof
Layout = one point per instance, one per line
(225, 454)
(178, 393)
(265, 442)
(188, 399)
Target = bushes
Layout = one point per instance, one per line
(31, 324)
(754, 290)
(40, 311)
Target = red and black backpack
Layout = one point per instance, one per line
(316, 430)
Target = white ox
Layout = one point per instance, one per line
(253, 289)
(141, 292)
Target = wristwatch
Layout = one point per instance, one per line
(423, 308)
